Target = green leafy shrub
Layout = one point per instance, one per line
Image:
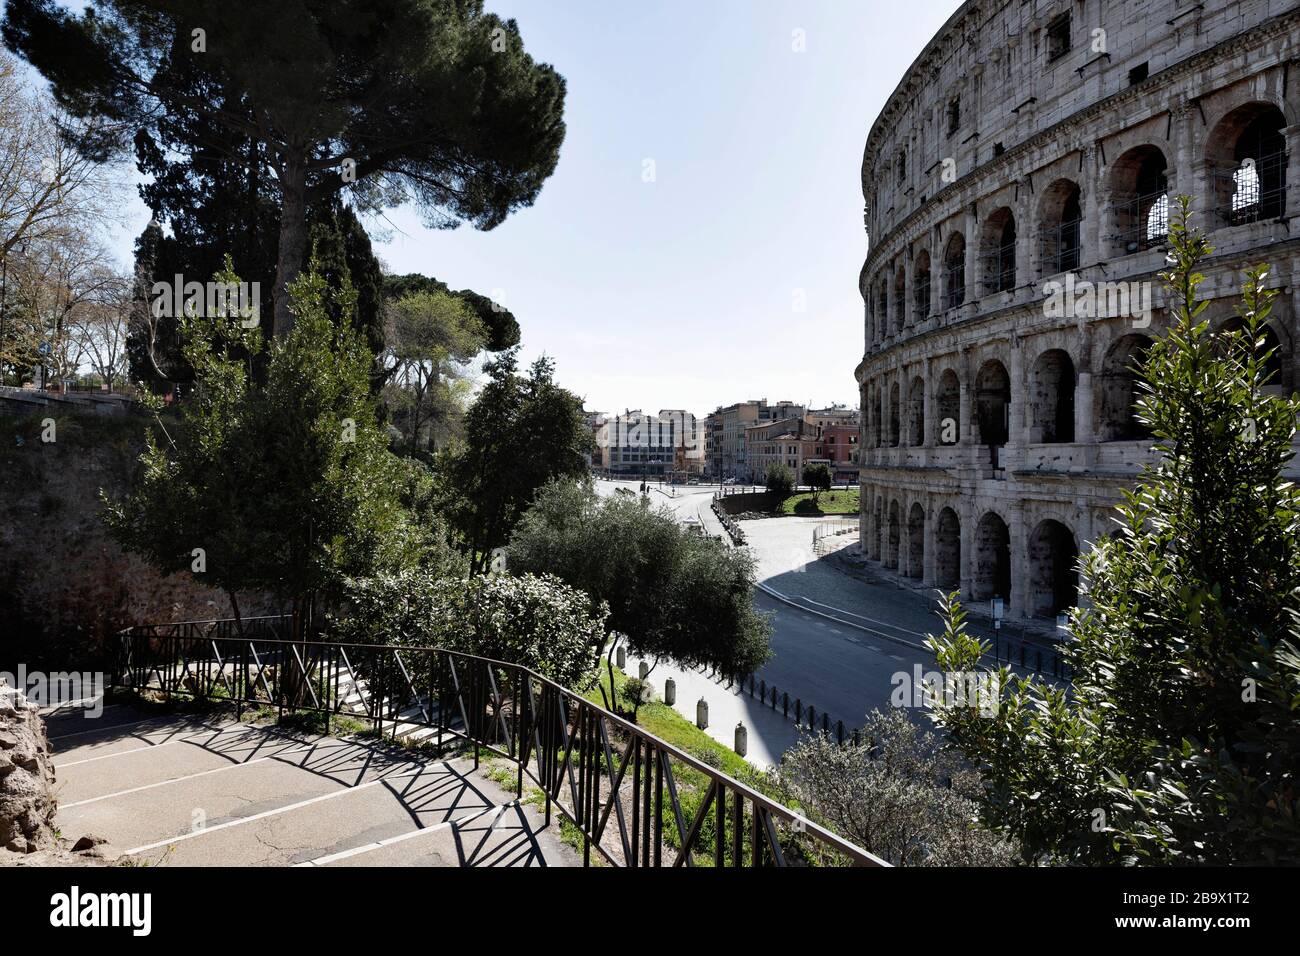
(899, 793)
(538, 622)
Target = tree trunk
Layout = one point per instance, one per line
(293, 239)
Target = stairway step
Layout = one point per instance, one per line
(138, 764)
(72, 725)
(506, 836)
(373, 811)
(125, 737)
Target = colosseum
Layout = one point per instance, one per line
(1030, 156)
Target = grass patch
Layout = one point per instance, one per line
(842, 502)
(668, 725)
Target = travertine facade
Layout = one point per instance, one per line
(1029, 155)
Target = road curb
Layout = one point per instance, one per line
(784, 599)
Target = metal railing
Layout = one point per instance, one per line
(1251, 191)
(1059, 247)
(1141, 223)
(599, 771)
(1000, 268)
(830, 529)
(954, 285)
(921, 297)
(1029, 655)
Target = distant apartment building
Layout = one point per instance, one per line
(725, 429)
(637, 444)
(793, 442)
(597, 458)
(840, 442)
(834, 415)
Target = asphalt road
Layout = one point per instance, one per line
(840, 670)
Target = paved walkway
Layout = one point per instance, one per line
(204, 791)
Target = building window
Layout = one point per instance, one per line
(1138, 74)
(902, 168)
(954, 115)
(1058, 37)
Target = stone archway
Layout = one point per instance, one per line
(992, 402)
(998, 251)
(954, 271)
(921, 287)
(992, 567)
(1139, 209)
(1060, 217)
(947, 549)
(1051, 408)
(895, 415)
(876, 517)
(1246, 158)
(1053, 573)
(916, 541)
(894, 536)
(947, 408)
(1118, 389)
(916, 412)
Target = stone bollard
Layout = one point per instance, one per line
(642, 670)
(620, 657)
(702, 714)
(742, 740)
(670, 692)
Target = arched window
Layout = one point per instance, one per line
(1247, 157)
(1140, 200)
(1061, 215)
(998, 251)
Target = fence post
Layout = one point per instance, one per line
(785, 703)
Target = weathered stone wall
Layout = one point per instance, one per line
(27, 802)
(65, 585)
(997, 430)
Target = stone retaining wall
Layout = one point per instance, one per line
(27, 802)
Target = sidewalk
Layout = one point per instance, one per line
(712, 526)
(770, 734)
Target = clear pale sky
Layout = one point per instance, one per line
(680, 293)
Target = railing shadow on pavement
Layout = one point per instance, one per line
(635, 799)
